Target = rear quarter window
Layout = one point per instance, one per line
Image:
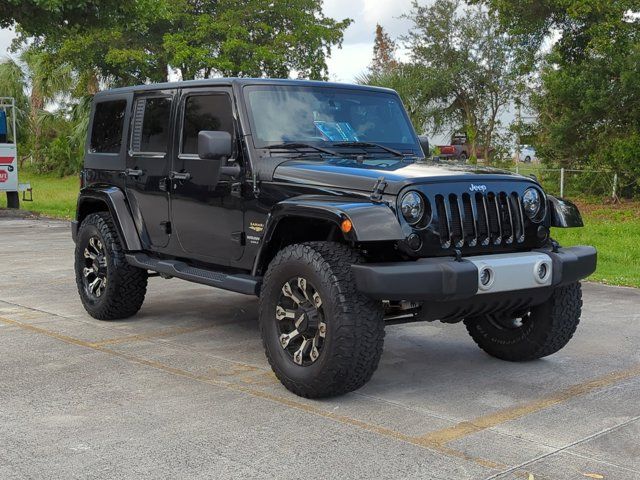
(150, 132)
(108, 123)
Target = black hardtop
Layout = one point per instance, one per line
(236, 82)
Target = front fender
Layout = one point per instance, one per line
(564, 214)
(117, 205)
(372, 222)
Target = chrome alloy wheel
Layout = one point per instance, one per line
(301, 322)
(95, 268)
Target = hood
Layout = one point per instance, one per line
(347, 173)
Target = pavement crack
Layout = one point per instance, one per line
(569, 445)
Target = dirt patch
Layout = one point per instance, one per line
(624, 210)
(14, 213)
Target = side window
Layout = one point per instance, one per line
(150, 133)
(205, 112)
(108, 121)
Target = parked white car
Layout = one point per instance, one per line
(527, 154)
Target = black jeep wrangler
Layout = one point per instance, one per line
(317, 198)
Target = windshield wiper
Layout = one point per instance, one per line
(365, 145)
(298, 146)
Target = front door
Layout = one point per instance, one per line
(148, 163)
(207, 217)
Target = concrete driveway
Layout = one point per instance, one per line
(183, 390)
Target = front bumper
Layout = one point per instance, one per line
(445, 279)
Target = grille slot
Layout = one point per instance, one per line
(480, 219)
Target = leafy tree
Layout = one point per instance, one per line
(13, 83)
(468, 69)
(588, 99)
(253, 38)
(139, 41)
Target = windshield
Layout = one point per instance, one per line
(327, 116)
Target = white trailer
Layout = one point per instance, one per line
(9, 152)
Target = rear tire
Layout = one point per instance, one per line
(347, 327)
(546, 328)
(109, 288)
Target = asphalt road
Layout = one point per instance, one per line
(183, 390)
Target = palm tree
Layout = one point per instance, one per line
(49, 80)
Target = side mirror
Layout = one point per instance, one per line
(214, 145)
(424, 143)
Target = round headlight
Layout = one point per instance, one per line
(412, 207)
(532, 202)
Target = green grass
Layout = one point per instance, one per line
(613, 229)
(52, 196)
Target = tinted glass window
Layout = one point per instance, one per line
(151, 125)
(205, 112)
(108, 120)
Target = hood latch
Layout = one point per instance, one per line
(378, 190)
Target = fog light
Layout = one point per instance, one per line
(414, 242)
(542, 270)
(486, 276)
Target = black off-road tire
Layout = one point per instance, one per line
(126, 285)
(548, 329)
(354, 322)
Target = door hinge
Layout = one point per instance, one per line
(163, 185)
(239, 238)
(166, 226)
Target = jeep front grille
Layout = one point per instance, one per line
(479, 219)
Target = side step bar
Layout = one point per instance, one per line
(240, 283)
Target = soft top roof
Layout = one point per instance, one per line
(235, 81)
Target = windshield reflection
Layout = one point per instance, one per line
(328, 116)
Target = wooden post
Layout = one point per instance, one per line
(562, 182)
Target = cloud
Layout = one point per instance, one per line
(357, 50)
(366, 14)
(6, 36)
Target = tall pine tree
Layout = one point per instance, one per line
(384, 52)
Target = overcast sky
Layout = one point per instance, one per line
(357, 49)
(355, 56)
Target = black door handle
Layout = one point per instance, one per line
(180, 176)
(131, 172)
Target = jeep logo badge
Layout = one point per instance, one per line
(478, 188)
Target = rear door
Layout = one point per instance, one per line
(148, 163)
